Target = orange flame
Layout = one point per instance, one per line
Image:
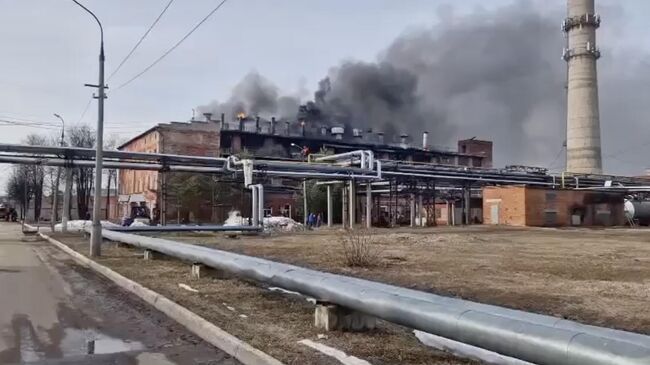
(241, 115)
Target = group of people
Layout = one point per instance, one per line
(314, 220)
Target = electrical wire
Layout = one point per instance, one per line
(83, 114)
(140, 40)
(173, 47)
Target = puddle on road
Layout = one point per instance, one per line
(32, 344)
(74, 343)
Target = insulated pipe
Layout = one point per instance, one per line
(344, 205)
(412, 210)
(420, 209)
(106, 164)
(254, 211)
(352, 198)
(260, 205)
(464, 178)
(329, 206)
(175, 228)
(539, 344)
(368, 206)
(66, 200)
(365, 156)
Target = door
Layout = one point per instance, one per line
(494, 214)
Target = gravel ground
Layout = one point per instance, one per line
(268, 320)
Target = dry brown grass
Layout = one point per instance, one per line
(359, 248)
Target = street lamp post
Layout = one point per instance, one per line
(96, 234)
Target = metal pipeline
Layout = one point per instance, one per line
(514, 337)
(254, 211)
(174, 228)
(107, 164)
(257, 205)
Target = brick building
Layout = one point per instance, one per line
(528, 206)
(266, 138)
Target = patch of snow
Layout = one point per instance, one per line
(235, 219)
(341, 356)
(81, 225)
(138, 223)
(187, 287)
(285, 291)
(282, 224)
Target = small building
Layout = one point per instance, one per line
(542, 207)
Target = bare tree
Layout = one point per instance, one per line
(36, 175)
(110, 144)
(82, 136)
(19, 188)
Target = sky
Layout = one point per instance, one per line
(50, 50)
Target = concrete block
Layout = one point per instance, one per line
(330, 317)
(198, 270)
(148, 255)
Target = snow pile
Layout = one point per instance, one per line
(281, 224)
(137, 223)
(80, 226)
(235, 219)
(271, 224)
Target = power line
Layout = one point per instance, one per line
(174, 46)
(141, 39)
(83, 114)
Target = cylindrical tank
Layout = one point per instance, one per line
(638, 210)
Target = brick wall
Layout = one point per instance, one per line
(138, 181)
(511, 201)
(526, 206)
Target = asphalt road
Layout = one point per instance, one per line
(51, 308)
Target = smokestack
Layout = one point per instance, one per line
(380, 138)
(272, 125)
(288, 128)
(425, 140)
(404, 140)
(583, 119)
(257, 124)
(208, 117)
(223, 121)
(302, 128)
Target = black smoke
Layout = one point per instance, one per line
(254, 95)
(494, 74)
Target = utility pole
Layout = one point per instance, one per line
(96, 234)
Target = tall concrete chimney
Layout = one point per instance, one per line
(583, 119)
(425, 140)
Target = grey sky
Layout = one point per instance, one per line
(49, 50)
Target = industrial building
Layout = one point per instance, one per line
(256, 137)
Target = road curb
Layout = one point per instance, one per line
(242, 351)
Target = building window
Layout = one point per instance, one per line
(268, 212)
(464, 148)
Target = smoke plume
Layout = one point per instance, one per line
(254, 95)
(496, 75)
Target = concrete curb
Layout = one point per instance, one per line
(242, 351)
